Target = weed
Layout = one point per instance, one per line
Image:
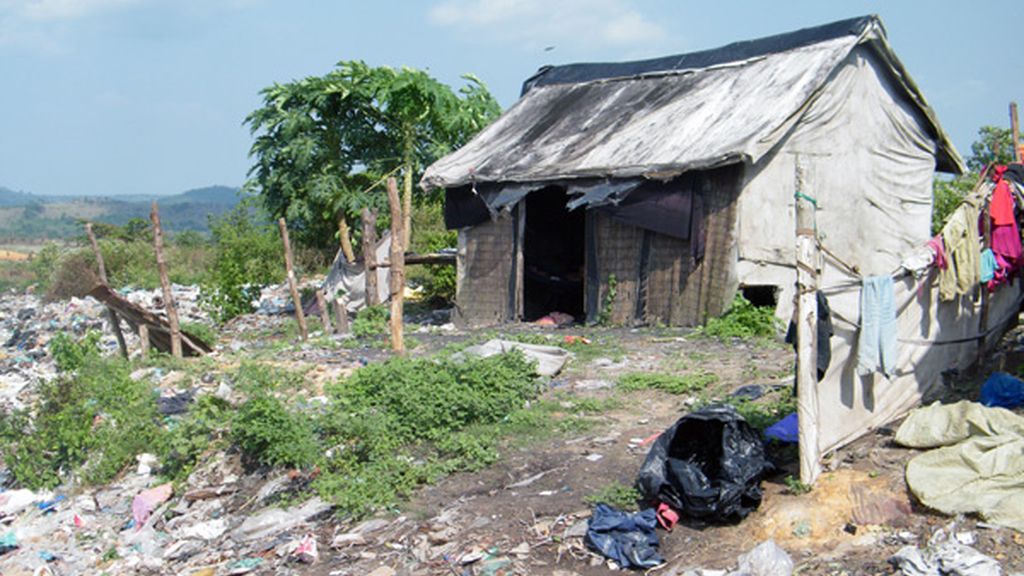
(201, 330)
(617, 495)
(192, 435)
(671, 383)
(604, 316)
(91, 422)
(795, 486)
(371, 322)
(270, 434)
(742, 320)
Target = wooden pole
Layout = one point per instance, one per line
(1015, 131)
(161, 264)
(340, 317)
(369, 258)
(397, 261)
(300, 316)
(143, 340)
(346, 241)
(806, 331)
(115, 322)
(325, 316)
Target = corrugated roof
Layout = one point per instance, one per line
(655, 118)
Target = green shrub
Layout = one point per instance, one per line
(192, 435)
(247, 255)
(371, 321)
(742, 320)
(270, 434)
(671, 383)
(70, 354)
(438, 280)
(203, 331)
(90, 423)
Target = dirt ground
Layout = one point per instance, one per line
(526, 514)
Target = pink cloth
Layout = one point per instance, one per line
(940, 252)
(1006, 243)
(147, 501)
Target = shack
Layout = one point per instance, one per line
(652, 191)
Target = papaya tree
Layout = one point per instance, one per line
(323, 143)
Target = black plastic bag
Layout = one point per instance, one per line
(629, 539)
(708, 466)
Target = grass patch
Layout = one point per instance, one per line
(671, 383)
(617, 495)
(742, 320)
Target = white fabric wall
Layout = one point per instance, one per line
(870, 165)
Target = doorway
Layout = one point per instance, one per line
(553, 261)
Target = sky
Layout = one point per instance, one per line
(112, 97)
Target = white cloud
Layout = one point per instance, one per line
(538, 23)
(49, 10)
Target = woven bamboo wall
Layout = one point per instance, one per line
(485, 266)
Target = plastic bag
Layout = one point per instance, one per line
(766, 559)
(708, 465)
(1002, 390)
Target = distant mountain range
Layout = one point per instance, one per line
(29, 217)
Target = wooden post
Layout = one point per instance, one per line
(369, 258)
(161, 264)
(1015, 131)
(397, 261)
(806, 331)
(115, 322)
(300, 316)
(346, 241)
(325, 316)
(340, 317)
(143, 340)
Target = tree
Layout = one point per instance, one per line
(322, 142)
(992, 146)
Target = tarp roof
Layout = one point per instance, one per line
(661, 117)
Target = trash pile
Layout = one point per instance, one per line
(27, 324)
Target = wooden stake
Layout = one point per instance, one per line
(346, 241)
(340, 317)
(397, 261)
(161, 264)
(115, 322)
(143, 340)
(325, 316)
(1015, 131)
(300, 316)
(806, 331)
(369, 258)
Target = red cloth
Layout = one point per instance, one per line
(940, 252)
(1001, 205)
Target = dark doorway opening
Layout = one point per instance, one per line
(761, 295)
(553, 259)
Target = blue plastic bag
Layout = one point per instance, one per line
(628, 539)
(1002, 390)
(785, 430)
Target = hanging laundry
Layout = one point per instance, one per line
(939, 248)
(963, 248)
(825, 332)
(988, 266)
(876, 345)
(1001, 205)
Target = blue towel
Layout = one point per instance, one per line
(988, 265)
(876, 346)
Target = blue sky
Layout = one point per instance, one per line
(148, 96)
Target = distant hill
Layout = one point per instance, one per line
(10, 197)
(28, 217)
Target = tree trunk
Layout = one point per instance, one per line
(346, 240)
(369, 261)
(161, 264)
(397, 258)
(409, 165)
(115, 322)
(300, 316)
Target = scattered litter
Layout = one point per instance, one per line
(766, 559)
(305, 550)
(550, 359)
(594, 457)
(949, 558)
(748, 392)
(8, 542)
(147, 501)
(209, 530)
(244, 566)
(273, 521)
